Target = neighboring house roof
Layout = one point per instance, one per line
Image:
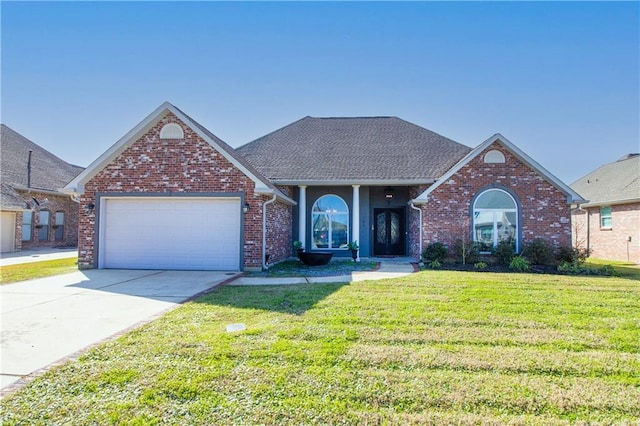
(613, 183)
(263, 186)
(367, 150)
(48, 172)
(572, 196)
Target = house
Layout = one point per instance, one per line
(609, 223)
(34, 211)
(171, 195)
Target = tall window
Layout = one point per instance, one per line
(330, 222)
(27, 220)
(495, 219)
(43, 223)
(605, 217)
(59, 226)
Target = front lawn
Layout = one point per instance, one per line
(32, 270)
(435, 347)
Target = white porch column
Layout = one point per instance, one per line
(355, 223)
(302, 216)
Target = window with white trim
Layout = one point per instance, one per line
(43, 224)
(330, 223)
(495, 219)
(605, 217)
(27, 222)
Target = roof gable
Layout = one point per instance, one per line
(572, 196)
(48, 172)
(612, 183)
(263, 186)
(354, 150)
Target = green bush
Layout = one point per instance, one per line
(565, 254)
(520, 264)
(466, 252)
(576, 255)
(434, 264)
(539, 252)
(435, 251)
(480, 265)
(504, 252)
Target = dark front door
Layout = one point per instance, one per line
(388, 232)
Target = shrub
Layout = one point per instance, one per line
(435, 264)
(466, 251)
(435, 251)
(568, 267)
(565, 254)
(480, 265)
(504, 252)
(519, 263)
(539, 252)
(576, 255)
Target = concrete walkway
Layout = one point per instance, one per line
(388, 269)
(37, 255)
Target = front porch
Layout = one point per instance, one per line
(379, 218)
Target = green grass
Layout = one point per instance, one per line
(29, 271)
(436, 347)
(622, 269)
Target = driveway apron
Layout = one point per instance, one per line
(48, 319)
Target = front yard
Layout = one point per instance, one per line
(436, 347)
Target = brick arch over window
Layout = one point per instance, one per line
(495, 217)
(330, 223)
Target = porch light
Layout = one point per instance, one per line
(89, 207)
(245, 208)
(388, 194)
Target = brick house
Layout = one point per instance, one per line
(170, 194)
(609, 223)
(35, 213)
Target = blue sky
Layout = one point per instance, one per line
(558, 79)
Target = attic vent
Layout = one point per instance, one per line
(494, 156)
(171, 131)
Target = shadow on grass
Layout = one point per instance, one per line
(291, 299)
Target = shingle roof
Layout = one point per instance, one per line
(48, 172)
(357, 149)
(612, 183)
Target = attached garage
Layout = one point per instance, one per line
(184, 233)
(8, 232)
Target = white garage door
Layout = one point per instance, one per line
(7, 231)
(170, 233)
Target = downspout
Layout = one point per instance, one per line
(419, 227)
(264, 231)
(29, 169)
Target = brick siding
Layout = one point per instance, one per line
(544, 212)
(156, 165)
(613, 243)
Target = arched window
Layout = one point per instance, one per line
(495, 219)
(330, 222)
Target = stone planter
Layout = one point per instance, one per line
(316, 258)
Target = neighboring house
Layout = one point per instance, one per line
(609, 223)
(171, 195)
(34, 211)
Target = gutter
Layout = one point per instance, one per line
(264, 230)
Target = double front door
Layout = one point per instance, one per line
(388, 232)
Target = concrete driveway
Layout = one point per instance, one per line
(48, 319)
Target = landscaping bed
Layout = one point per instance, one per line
(295, 268)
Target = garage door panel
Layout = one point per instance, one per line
(161, 233)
